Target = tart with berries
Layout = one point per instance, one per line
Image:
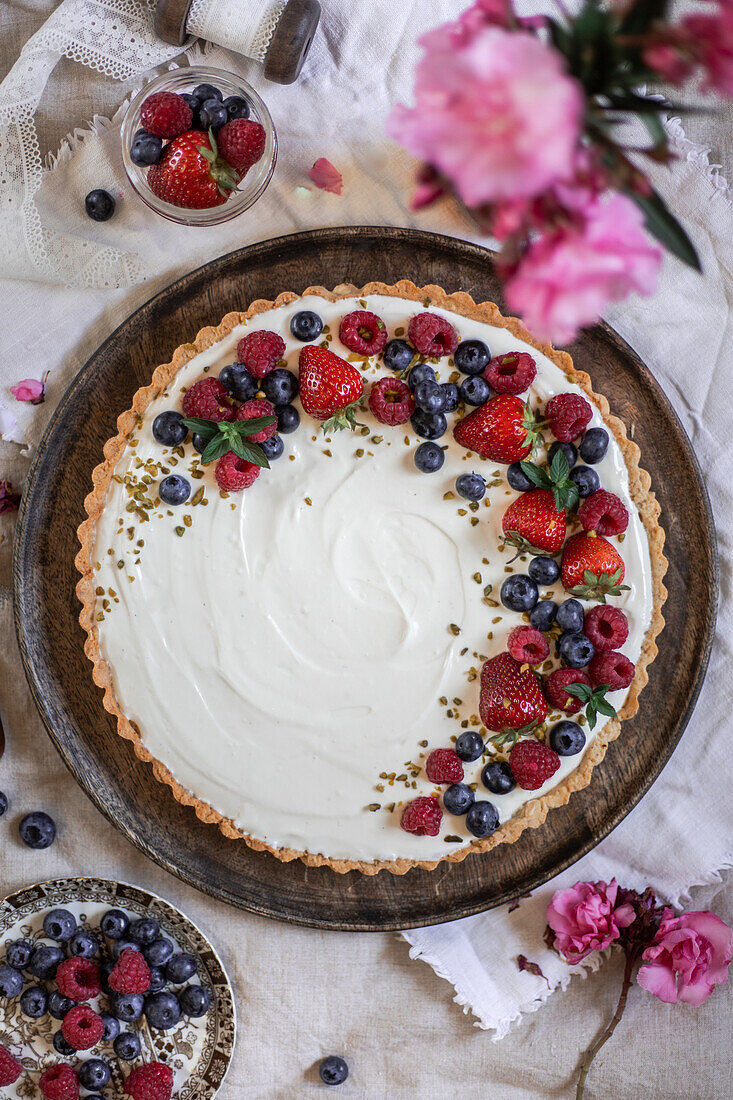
(370, 577)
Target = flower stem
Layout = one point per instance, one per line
(606, 1035)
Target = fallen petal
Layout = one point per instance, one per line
(9, 500)
(325, 176)
(30, 389)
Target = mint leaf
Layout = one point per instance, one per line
(559, 467)
(580, 691)
(206, 428)
(251, 427)
(252, 452)
(215, 448)
(537, 476)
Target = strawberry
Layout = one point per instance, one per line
(192, 174)
(329, 387)
(592, 568)
(510, 699)
(534, 524)
(504, 429)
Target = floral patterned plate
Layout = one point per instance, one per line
(199, 1051)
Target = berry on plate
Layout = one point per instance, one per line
(207, 400)
(471, 356)
(469, 745)
(391, 401)
(482, 819)
(593, 445)
(127, 1046)
(614, 669)
(237, 106)
(115, 922)
(128, 1007)
(511, 373)
(603, 513)
(329, 387)
(556, 686)
(162, 1011)
(471, 486)
(260, 351)
(59, 1082)
(567, 738)
(568, 414)
(130, 974)
(34, 1002)
(212, 114)
(518, 480)
(253, 410)
(532, 763)
(11, 982)
(191, 174)
(429, 457)
(144, 930)
(421, 372)
(288, 418)
(592, 568)
(534, 523)
(502, 430)
(45, 961)
(306, 325)
(241, 142)
(422, 816)
(94, 1074)
(510, 698)
(181, 967)
(528, 646)
(82, 1027)
(432, 335)
(568, 449)
(398, 355)
(166, 115)
(10, 1069)
(497, 777)
(607, 627)
(79, 979)
(444, 766)
(152, 1081)
(59, 925)
(233, 473)
(195, 1001)
(363, 332)
(18, 954)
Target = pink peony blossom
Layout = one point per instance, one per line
(688, 956)
(29, 389)
(712, 42)
(566, 278)
(497, 114)
(325, 176)
(585, 918)
(668, 62)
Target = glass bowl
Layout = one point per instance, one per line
(254, 182)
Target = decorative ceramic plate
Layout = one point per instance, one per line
(199, 1051)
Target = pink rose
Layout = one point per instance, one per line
(585, 918)
(688, 956)
(496, 114)
(567, 277)
(711, 39)
(30, 389)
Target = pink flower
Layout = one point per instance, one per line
(496, 114)
(566, 278)
(325, 176)
(30, 389)
(585, 918)
(668, 62)
(712, 41)
(688, 956)
(9, 500)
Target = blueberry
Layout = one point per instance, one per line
(61, 1046)
(458, 799)
(429, 425)
(587, 480)
(127, 1007)
(105, 969)
(99, 205)
(273, 447)
(212, 114)
(194, 103)
(94, 1074)
(11, 981)
(37, 830)
(497, 777)
(181, 967)
(575, 650)
(236, 106)
(195, 1001)
(122, 945)
(3, 803)
(519, 593)
(203, 92)
(288, 418)
(111, 1027)
(398, 355)
(482, 819)
(594, 445)
(18, 954)
(146, 149)
(158, 979)
(543, 570)
(158, 952)
(421, 372)
(306, 325)
(114, 924)
(333, 1070)
(570, 452)
(238, 381)
(469, 745)
(542, 615)
(472, 356)
(59, 925)
(174, 489)
(429, 397)
(58, 1004)
(570, 616)
(280, 386)
(474, 390)
(45, 961)
(567, 738)
(199, 442)
(517, 478)
(162, 1011)
(429, 457)
(169, 429)
(452, 396)
(127, 1046)
(144, 930)
(471, 486)
(84, 944)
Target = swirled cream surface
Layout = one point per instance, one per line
(292, 653)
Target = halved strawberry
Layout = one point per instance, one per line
(534, 524)
(504, 429)
(511, 700)
(192, 174)
(329, 387)
(592, 568)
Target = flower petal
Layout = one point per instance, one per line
(325, 176)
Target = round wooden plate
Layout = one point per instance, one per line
(59, 674)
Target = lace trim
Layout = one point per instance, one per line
(243, 26)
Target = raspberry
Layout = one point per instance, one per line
(511, 373)
(153, 1081)
(363, 332)
(606, 626)
(207, 400)
(260, 351)
(555, 688)
(603, 513)
(130, 974)
(241, 142)
(528, 646)
(59, 1082)
(233, 474)
(432, 335)
(444, 766)
(532, 763)
(166, 115)
(253, 409)
(422, 816)
(391, 401)
(613, 669)
(79, 979)
(82, 1028)
(10, 1070)
(568, 414)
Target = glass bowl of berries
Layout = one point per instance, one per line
(199, 145)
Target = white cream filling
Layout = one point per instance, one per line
(280, 655)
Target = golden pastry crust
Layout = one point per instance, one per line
(534, 812)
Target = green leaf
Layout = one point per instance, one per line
(217, 447)
(535, 474)
(252, 452)
(580, 691)
(663, 225)
(251, 427)
(206, 428)
(559, 467)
